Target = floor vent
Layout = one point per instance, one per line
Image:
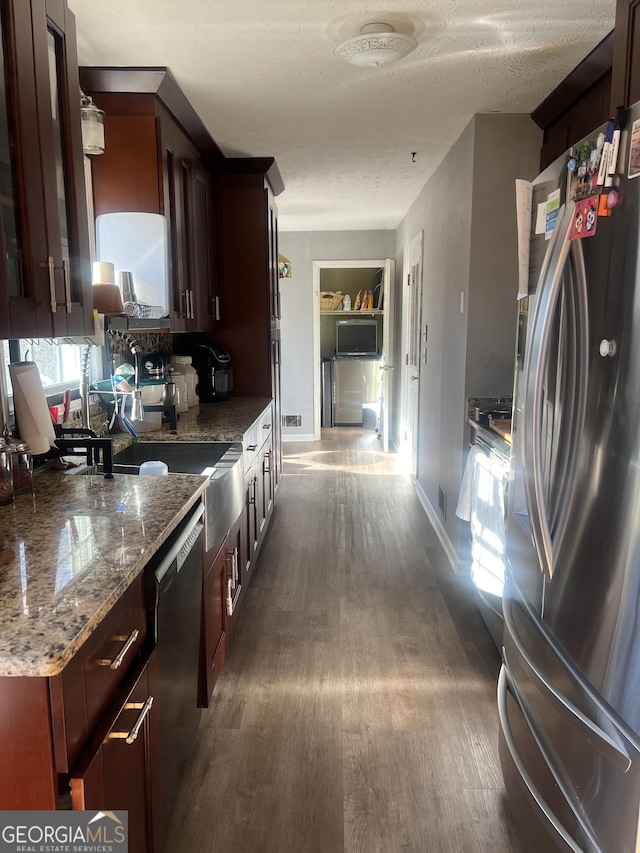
(292, 420)
(442, 501)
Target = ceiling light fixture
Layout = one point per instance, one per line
(377, 44)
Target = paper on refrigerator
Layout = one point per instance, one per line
(524, 200)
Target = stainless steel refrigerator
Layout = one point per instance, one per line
(569, 687)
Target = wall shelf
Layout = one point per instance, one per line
(369, 312)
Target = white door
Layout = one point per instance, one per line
(413, 352)
(386, 365)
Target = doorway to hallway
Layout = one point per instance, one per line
(353, 344)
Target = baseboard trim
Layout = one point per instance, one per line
(439, 528)
(309, 436)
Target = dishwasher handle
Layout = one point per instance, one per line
(181, 546)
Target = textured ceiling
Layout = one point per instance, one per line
(263, 77)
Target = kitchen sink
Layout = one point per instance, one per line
(181, 457)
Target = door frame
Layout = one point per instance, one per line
(351, 264)
(413, 249)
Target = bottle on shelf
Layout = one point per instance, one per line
(346, 302)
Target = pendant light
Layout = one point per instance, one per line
(378, 44)
(92, 125)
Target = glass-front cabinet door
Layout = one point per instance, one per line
(45, 278)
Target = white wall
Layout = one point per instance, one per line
(303, 248)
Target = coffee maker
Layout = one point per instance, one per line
(215, 372)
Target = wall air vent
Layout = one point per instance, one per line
(292, 420)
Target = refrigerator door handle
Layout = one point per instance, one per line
(561, 836)
(612, 750)
(579, 408)
(535, 364)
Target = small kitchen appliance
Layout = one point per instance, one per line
(215, 372)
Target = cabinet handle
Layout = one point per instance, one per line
(231, 577)
(116, 663)
(192, 316)
(52, 284)
(267, 426)
(252, 447)
(217, 301)
(230, 601)
(66, 270)
(267, 462)
(131, 736)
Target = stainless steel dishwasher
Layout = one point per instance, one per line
(174, 601)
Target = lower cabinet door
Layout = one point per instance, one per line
(121, 769)
(214, 624)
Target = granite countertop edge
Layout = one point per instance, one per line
(44, 654)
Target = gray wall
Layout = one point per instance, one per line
(302, 248)
(507, 145)
(467, 213)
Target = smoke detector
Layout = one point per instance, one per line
(377, 44)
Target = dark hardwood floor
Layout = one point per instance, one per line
(356, 710)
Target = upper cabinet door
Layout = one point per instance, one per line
(204, 248)
(44, 280)
(64, 192)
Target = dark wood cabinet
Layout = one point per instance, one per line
(214, 619)
(249, 282)
(63, 733)
(579, 104)
(160, 159)
(260, 455)
(249, 288)
(121, 768)
(625, 85)
(249, 533)
(234, 581)
(45, 281)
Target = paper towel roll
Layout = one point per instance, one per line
(32, 413)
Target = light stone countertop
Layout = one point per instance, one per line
(79, 543)
(227, 420)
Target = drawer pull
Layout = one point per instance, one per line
(131, 736)
(267, 426)
(252, 447)
(116, 663)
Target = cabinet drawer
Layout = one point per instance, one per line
(87, 685)
(121, 767)
(111, 649)
(265, 426)
(249, 446)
